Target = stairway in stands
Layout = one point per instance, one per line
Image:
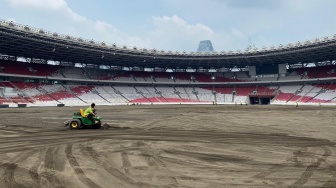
(119, 93)
(75, 94)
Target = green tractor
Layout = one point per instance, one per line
(79, 120)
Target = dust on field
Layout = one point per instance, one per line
(170, 146)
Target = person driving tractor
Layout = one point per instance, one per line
(90, 112)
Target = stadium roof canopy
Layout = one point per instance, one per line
(24, 41)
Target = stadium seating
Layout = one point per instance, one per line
(205, 95)
(4, 100)
(240, 99)
(49, 94)
(108, 93)
(244, 91)
(42, 70)
(77, 94)
(13, 67)
(169, 95)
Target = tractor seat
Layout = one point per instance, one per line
(82, 113)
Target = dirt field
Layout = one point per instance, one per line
(170, 146)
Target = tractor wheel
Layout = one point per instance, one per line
(75, 124)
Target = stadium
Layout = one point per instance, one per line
(182, 119)
(88, 71)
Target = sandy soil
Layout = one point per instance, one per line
(170, 146)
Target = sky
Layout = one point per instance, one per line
(179, 25)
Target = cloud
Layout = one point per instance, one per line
(177, 34)
(238, 34)
(168, 33)
(174, 33)
(263, 4)
(46, 4)
(66, 21)
(229, 23)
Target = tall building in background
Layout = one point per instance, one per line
(205, 46)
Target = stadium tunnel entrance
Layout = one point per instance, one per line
(261, 99)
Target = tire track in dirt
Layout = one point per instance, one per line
(277, 167)
(311, 168)
(99, 161)
(9, 179)
(153, 160)
(8, 174)
(166, 135)
(77, 169)
(331, 182)
(126, 162)
(274, 169)
(49, 173)
(59, 158)
(150, 157)
(33, 171)
(4, 157)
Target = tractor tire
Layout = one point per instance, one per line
(75, 124)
